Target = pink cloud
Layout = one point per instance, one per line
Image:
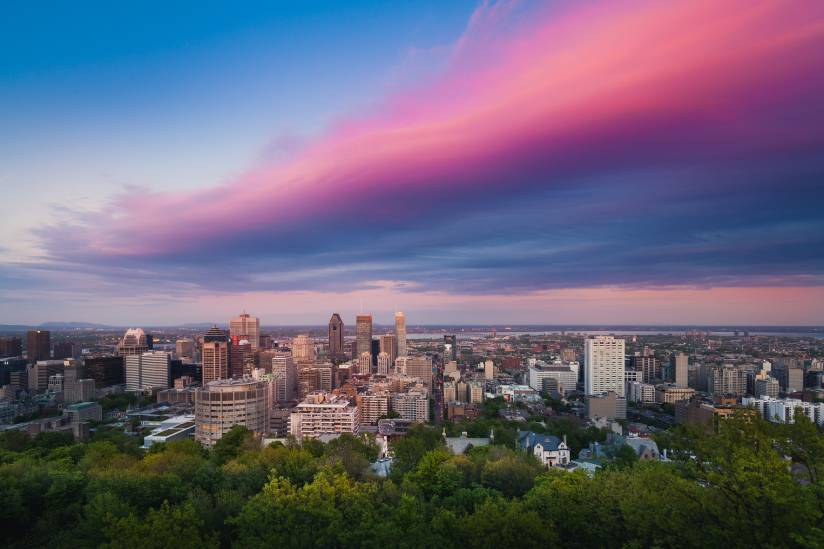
(604, 77)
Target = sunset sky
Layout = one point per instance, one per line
(493, 162)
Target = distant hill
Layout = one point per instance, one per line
(53, 326)
(72, 325)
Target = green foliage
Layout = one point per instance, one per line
(238, 438)
(750, 484)
(411, 448)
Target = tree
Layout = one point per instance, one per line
(167, 526)
(509, 475)
(237, 439)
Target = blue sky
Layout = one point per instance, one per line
(464, 160)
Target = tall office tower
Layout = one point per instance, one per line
(222, 404)
(376, 350)
(790, 375)
(246, 327)
(389, 345)
(241, 357)
(363, 334)
(400, 333)
(476, 391)
(11, 346)
(105, 370)
(148, 370)
(133, 342)
(185, 349)
(335, 337)
(365, 364)
(38, 374)
(680, 369)
(604, 365)
(38, 345)
(489, 369)
(648, 365)
(383, 364)
(326, 374)
(307, 381)
(420, 367)
(303, 350)
(215, 357)
(72, 372)
(63, 350)
(284, 367)
(215, 334)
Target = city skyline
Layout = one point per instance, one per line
(627, 162)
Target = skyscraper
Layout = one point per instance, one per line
(400, 332)
(335, 337)
(384, 363)
(241, 358)
(215, 358)
(38, 345)
(185, 348)
(389, 345)
(365, 363)
(246, 327)
(363, 334)
(420, 367)
(283, 366)
(604, 365)
(133, 343)
(11, 346)
(680, 368)
(147, 371)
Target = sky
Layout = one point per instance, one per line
(640, 162)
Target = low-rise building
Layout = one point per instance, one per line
(548, 449)
(670, 394)
(786, 410)
(607, 405)
(323, 414)
(174, 428)
(83, 411)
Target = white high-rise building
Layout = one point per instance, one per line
(604, 365)
(134, 342)
(246, 327)
(147, 370)
(384, 362)
(365, 363)
(400, 332)
(284, 367)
